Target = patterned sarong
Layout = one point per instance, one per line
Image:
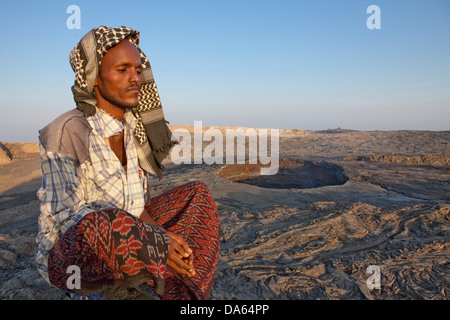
(113, 247)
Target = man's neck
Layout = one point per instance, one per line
(115, 142)
(111, 109)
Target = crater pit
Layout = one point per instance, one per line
(292, 174)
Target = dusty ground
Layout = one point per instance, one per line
(392, 211)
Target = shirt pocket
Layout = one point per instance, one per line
(110, 185)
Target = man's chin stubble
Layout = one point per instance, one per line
(119, 104)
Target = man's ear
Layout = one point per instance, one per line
(95, 88)
(97, 79)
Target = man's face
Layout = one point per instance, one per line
(119, 77)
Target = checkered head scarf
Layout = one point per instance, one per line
(152, 135)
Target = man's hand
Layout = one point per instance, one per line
(180, 256)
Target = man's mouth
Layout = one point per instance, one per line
(133, 88)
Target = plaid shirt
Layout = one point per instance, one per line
(71, 190)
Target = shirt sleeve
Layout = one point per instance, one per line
(62, 197)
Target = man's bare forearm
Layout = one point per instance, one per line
(147, 218)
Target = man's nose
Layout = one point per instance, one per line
(135, 77)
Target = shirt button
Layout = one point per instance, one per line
(132, 202)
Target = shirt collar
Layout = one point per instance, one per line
(107, 126)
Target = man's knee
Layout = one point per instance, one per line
(200, 185)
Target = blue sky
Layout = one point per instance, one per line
(278, 64)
